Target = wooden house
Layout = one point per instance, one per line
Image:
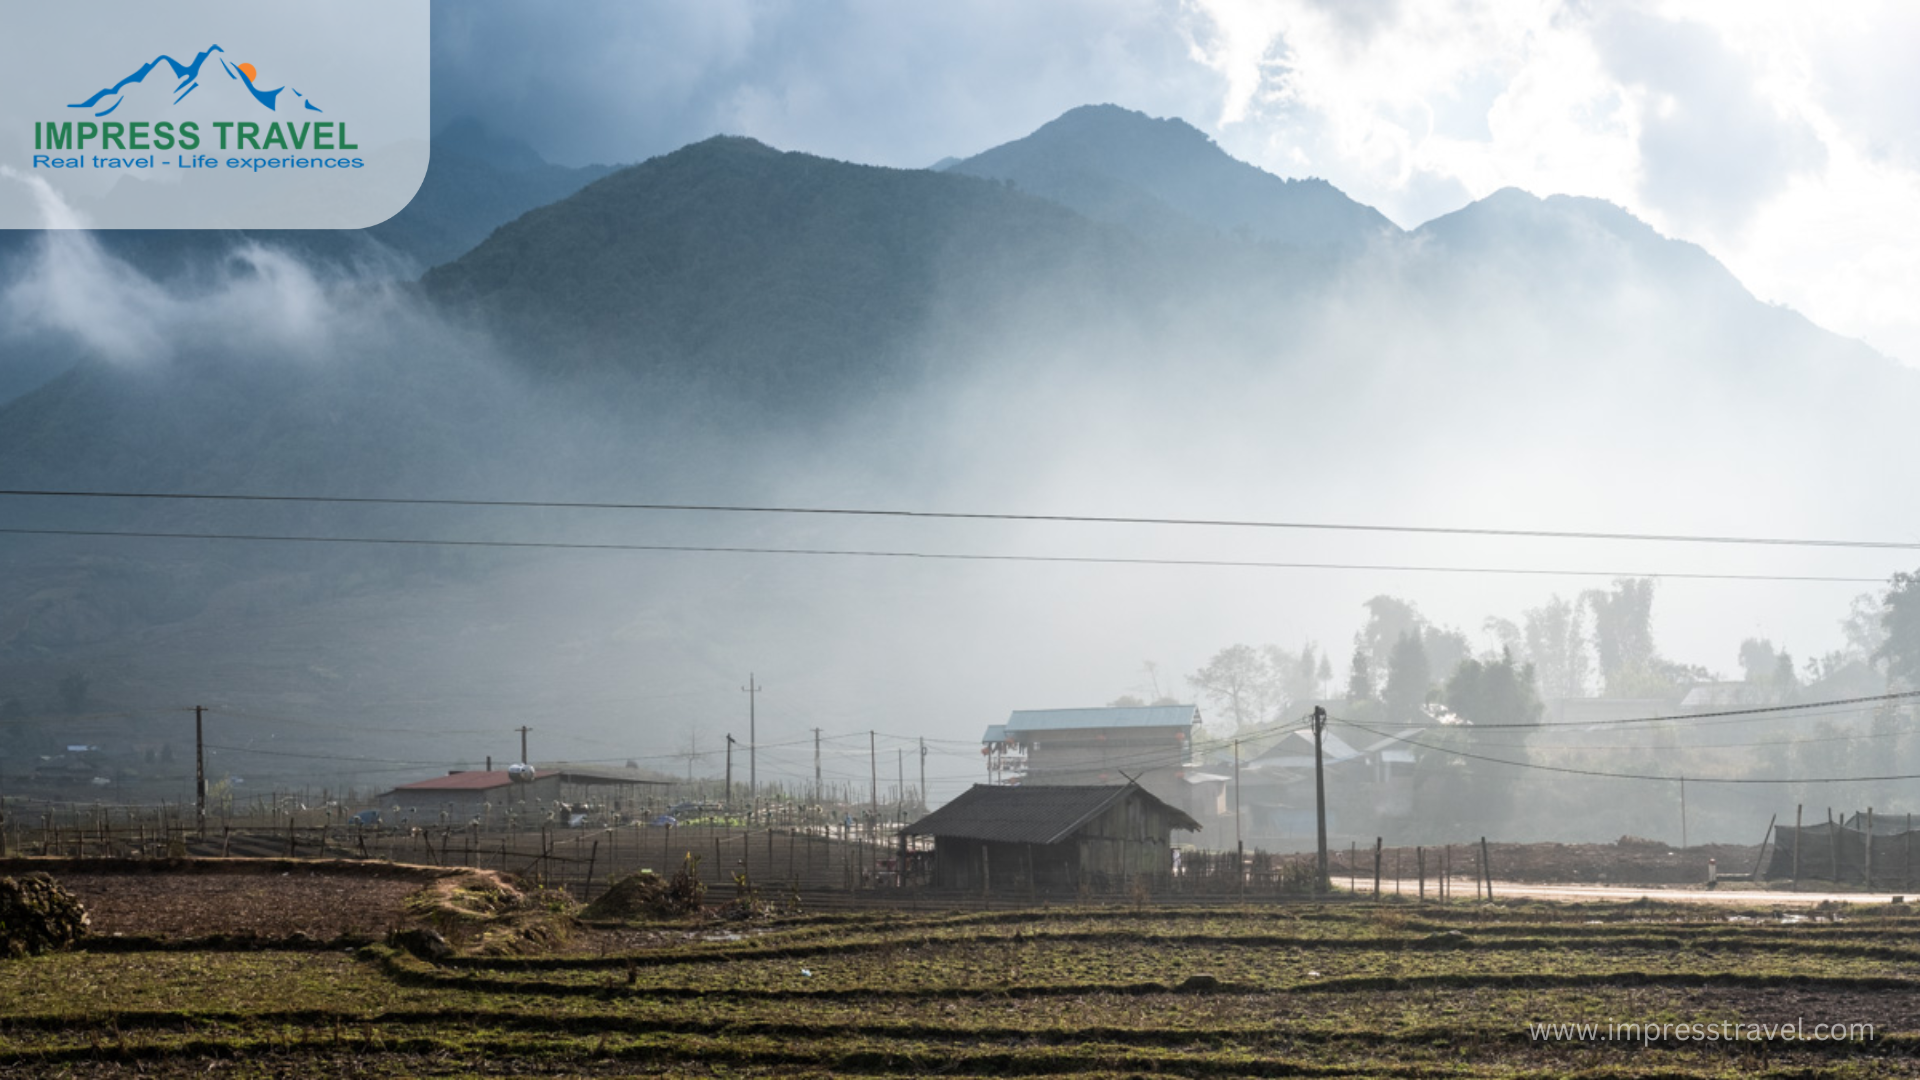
(1051, 838)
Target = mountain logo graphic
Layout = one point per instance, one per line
(188, 79)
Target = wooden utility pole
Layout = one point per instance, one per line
(753, 737)
(1236, 795)
(199, 767)
(1320, 793)
(873, 765)
(816, 765)
(1683, 813)
(1798, 807)
(900, 797)
(728, 797)
(923, 772)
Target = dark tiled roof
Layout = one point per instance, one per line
(1030, 813)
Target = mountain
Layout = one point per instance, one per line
(1154, 176)
(782, 277)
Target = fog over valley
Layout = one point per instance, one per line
(1107, 316)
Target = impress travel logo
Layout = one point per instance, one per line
(316, 118)
(162, 78)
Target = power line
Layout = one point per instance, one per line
(946, 515)
(1757, 710)
(937, 556)
(1568, 770)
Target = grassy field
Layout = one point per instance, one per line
(1308, 990)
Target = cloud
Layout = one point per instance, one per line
(1738, 126)
(892, 84)
(1713, 147)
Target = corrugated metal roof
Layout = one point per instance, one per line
(1112, 716)
(470, 780)
(996, 733)
(1030, 813)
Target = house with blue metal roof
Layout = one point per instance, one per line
(1112, 744)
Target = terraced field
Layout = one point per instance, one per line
(1335, 990)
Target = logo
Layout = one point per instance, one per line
(162, 85)
(187, 78)
(211, 114)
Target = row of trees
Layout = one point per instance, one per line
(1600, 642)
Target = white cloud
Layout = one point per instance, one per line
(1779, 136)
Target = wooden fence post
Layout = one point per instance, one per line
(1486, 866)
(1377, 841)
(1420, 863)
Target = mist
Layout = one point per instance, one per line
(1597, 377)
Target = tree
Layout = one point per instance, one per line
(1238, 681)
(1758, 660)
(1409, 678)
(1900, 619)
(1500, 692)
(1293, 674)
(1445, 649)
(1623, 635)
(1324, 674)
(1359, 677)
(1557, 646)
(1388, 619)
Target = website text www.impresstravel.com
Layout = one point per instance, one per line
(1702, 1031)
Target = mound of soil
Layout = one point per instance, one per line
(37, 915)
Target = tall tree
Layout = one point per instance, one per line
(1557, 645)
(1500, 692)
(1623, 635)
(1409, 678)
(1900, 618)
(1239, 683)
(1359, 677)
(1388, 618)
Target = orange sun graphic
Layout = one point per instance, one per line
(249, 71)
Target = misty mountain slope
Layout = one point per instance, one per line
(1158, 176)
(476, 181)
(787, 279)
(1595, 271)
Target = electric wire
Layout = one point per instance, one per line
(1092, 519)
(938, 556)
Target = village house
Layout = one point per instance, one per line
(1046, 838)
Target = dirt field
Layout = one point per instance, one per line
(1333, 990)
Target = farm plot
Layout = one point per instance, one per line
(1337, 990)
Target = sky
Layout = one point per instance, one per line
(1782, 137)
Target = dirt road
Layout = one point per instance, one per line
(1685, 895)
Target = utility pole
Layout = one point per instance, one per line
(900, 798)
(816, 765)
(753, 738)
(873, 765)
(729, 795)
(199, 767)
(1237, 845)
(1320, 792)
(523, 744)
(923, 772)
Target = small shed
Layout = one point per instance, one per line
(488, 796)
(1051, 837)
